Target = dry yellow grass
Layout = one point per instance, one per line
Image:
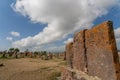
(30, 69)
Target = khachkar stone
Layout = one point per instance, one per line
(69, 54)
(101, 51)
(79, 56)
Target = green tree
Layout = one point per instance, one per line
(11, 52)
(11, 49)
(16, 50)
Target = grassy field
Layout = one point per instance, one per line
(30, 69)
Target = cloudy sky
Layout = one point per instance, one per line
(50, 24)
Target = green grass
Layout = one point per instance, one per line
(44, 68)
(54, 75)
(1, 57)
(63, 63)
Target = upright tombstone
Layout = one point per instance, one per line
(101, 51)
(79, 57)
(69, 54)
(95, 53)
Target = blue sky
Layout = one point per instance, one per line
(22, 22)
(12, 21)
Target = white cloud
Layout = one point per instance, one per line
(56, 48)
(117, 34)
(52, 48)
(15, 34)
(69, 40)
(62, 16)
(9, 38)
(47, 47)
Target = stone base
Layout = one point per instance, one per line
(72, 74)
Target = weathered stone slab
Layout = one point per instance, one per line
(102, 57)
(95, 54)
(79, 59)
(69, 54)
